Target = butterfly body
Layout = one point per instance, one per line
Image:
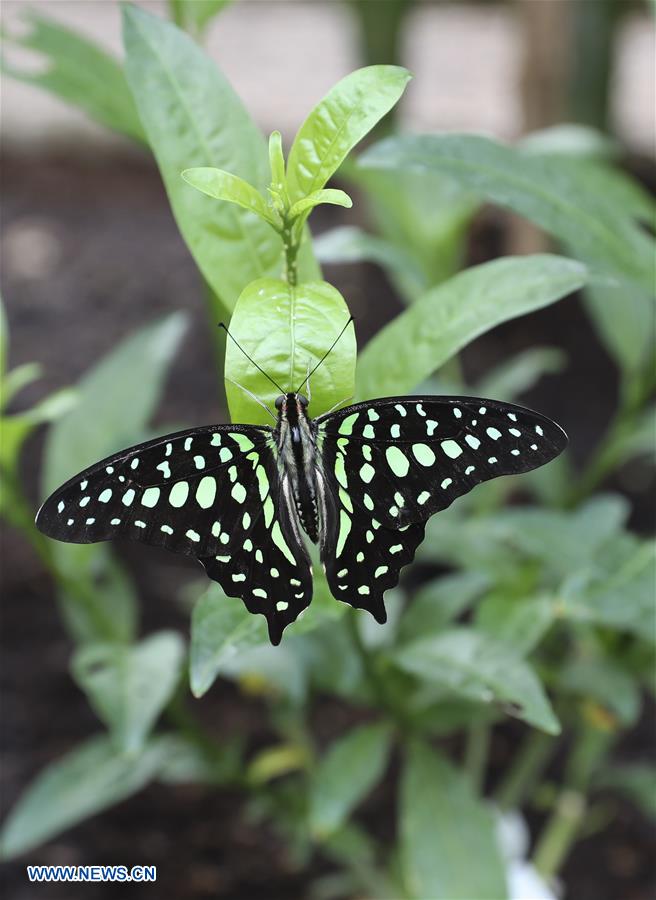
(296, 440)
(361, 482)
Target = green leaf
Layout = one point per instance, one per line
(637, 781)
(193, 117)
(128, 686)
(196, 15)
(17, 428)
(621, 596)
(450, 316)
(268, 671)
(345, 775)
(601, 679)
(223, 633)
(78, 72)
(624, 320)
(286, 329)
(81, 784)
(424, 215)
(520, 373)
(190, 762)
(570, 140)
(622, 192)
(224, 186)
(277, 760)
(475, 666)
(355, 851)
(519, 621)
(563, 542)
(97, 598)
(13, 382)
(332, 661)
(440, 601)
(221, 628)
(328, 195)
(549, 192)
(347, 244)
(640, 442)
(277, 163)
(110, 414)
(448, 844)
(338, 122)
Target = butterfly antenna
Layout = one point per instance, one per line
(328, 351)
(250, 358)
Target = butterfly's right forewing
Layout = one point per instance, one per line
(213, 493)
(182, 492)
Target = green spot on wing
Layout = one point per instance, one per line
(239, 492)
(179, 494)
(150, 497)
(281, 543)
(268, 511)
(344, 529)
(347, 425)
(423, 454)
(206, 491)
(452, 449)
(397, 461)
(244, 443)
(263, 481)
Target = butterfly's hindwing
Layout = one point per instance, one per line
(363, 558)
(401, 459)
(268, 567)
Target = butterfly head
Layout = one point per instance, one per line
(291, 401)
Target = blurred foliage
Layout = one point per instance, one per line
(542, 611)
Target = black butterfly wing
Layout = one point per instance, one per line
(268, 566)
(212, 493)
(170, 492)
(362, 558)
(391, 463)
(405, 458)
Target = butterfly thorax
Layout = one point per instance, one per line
(296, 442)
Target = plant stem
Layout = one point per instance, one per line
(291, 246)
(560, 832)
(527, 767)
(564, 824)
(476, 753)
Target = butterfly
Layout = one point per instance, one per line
(361, 482)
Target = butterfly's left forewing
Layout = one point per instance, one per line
(389, 464)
